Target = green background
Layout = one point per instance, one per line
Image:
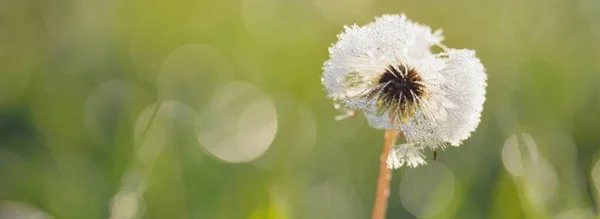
(168, 109)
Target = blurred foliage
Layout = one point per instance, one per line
(126, 109)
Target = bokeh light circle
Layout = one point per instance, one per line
(511, 156)
(239, 124)
(428, 190)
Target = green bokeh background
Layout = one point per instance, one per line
(81, 79)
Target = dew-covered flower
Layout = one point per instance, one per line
(386, 69)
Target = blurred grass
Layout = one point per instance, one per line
(75, 75)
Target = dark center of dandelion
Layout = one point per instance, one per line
(401, 88)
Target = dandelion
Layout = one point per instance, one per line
(386, 70)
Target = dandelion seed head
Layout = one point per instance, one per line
(386, 70)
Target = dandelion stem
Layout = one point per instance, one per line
(385, 176)
(434, 155)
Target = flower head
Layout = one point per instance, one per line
(386, 70)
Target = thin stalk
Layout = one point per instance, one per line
(385, 176)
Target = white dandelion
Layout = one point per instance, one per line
(386, 70)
